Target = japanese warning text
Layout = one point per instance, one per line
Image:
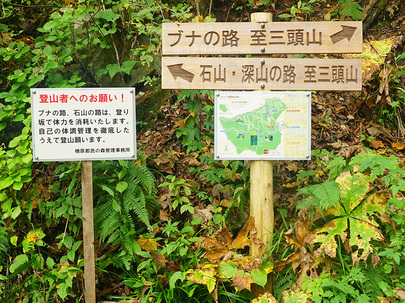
(83, 124)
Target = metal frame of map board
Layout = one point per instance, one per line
(285, 136)
(83, 124)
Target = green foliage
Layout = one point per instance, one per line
(125, 195)
(56, 279)
(180, 190)
(201, 116)
(334, 290)
(356, 224)
(351, 8)
(352, 218)
(321, 196)
(303, 7)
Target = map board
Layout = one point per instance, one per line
(226, 38)
(83, 124)
(262, 125)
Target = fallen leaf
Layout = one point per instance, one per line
(376, 144)
(242, 281)
(242, 239)
(205, 214)
(224, 237)
(163, 216)
(159, 259)
(216, 255)
(205, 276)
(398, 146)
(147, 244)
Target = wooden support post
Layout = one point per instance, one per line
(261, 192)
(88, 232)
(261, 202)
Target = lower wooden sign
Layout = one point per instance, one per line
(261, 73)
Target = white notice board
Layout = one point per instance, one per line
(262, 125)
(83, 124)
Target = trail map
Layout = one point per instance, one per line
(262, 125)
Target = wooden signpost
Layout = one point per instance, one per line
(261, 37)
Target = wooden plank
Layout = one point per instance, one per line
(88, 232)
(221, 38)
(261, 73)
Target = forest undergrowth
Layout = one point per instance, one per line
(174, 225)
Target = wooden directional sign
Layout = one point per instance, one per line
(260, 73)
(262, 38)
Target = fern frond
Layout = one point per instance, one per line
(109, 225)
(102, 211)
(20, 264)
(145, 177)
(3, 243)
(321, 196)
(135, 202)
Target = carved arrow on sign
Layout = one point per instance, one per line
(346, 32)
(178, 71)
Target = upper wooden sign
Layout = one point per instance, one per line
(226, 38)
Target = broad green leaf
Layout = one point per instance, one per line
(175, 277)
(259, 276)
(61, 210)
(227, 270)
(113, 69)
(121, 186)
(62, 290)
(16, 212)
(13, 143)
(68, 241)
(374, 204)
(353, 189)
(361, 234)
(204, 276)
(50, 262)
(17, 185)
(127, 66)
(326, 236)
(187, 190)
(13, 240)
(387, 289)
(107, 189)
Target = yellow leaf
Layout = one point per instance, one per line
(376, 144)
(148, 244)
(242, 281)
(242, 239)
(398, 146)
(204, 276)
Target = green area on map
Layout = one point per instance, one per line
(256, 130)
(223, 107)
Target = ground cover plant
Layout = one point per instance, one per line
(174, 225)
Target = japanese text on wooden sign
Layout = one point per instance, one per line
(262, 38)
(260, 73)
(83, 124)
